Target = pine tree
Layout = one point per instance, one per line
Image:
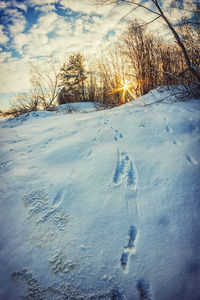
(72, 80)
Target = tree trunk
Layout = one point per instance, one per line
(181, 45)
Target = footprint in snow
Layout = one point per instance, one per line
(48, 221)
(60, 264)
(144, 290)
(126, 172)
(34, 289)
(59, 197)
(130, 248)
(116, 295)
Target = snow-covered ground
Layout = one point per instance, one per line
(103, 205)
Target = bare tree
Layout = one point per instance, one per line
(113, 68)
(45, 81)
(92, 86)
(154, 61)
(44, 91)
(25, 103)
(158, 12)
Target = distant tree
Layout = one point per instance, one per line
(25, 103)
(91, 88)
(141, 50)
(45, 81)
(114, 73)
(44, 91)
(72, 80)
(154, 62)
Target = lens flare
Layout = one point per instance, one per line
(124, 88)
(125, 85)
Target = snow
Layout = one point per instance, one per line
(78, 107)
(102, 205)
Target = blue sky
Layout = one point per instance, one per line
(31, 30)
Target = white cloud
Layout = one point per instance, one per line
(4, 5)
(17, 27)
(20, 41)
(43, 2)
(18, 21)
(47, 22)
(4, 56)
(45, 8)
(44, 5)
(3, 37)
(78, 27)
(22, 6)
(34, 42)
(14, 75)
(86, 6)
(37, 42)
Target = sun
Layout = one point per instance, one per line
(125, 85)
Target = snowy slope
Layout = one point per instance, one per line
(103, 205)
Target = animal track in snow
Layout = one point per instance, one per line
(48, 141)
(130, 248)
(5, 163)
(118, 135)
(191, 160)
(94, 140)
(167, 129)
(176, 143)
(89, 153)
(125, 171)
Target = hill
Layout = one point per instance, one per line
(102, 205)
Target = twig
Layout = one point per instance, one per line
(162, 99)
(169, 74)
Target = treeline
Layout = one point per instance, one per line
(131, 67)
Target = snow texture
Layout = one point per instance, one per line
(103, 204)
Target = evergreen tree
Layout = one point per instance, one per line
(72, 78)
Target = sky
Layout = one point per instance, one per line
(32, 30)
